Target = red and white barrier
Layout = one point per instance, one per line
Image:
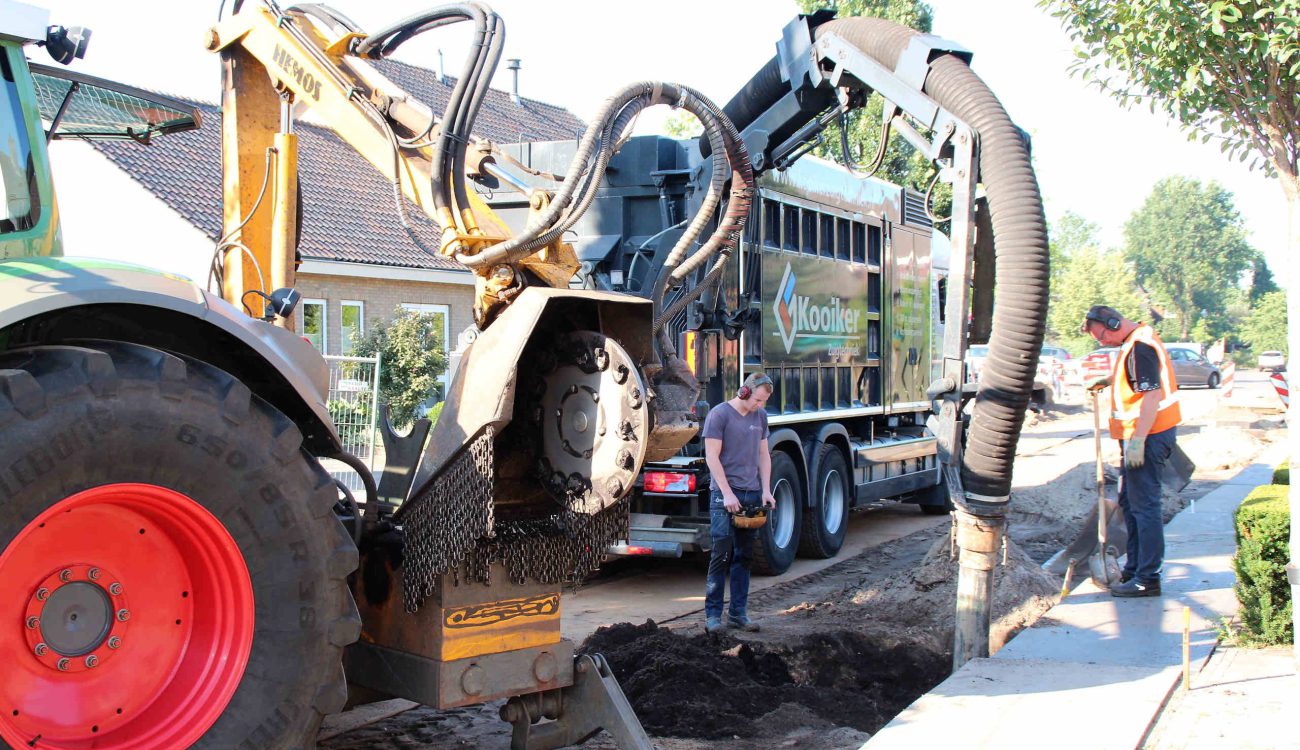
(1228, 371)
(1283, 390)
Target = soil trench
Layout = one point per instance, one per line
(843, 650)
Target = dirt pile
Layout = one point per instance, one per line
(918, 604)
(719, 687)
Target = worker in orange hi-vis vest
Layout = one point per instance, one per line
(1144, 418)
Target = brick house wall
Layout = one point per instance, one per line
(381, 297)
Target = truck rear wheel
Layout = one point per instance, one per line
(825, 523)
(777, 541)
(171, 571)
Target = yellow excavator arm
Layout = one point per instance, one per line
(276, 63)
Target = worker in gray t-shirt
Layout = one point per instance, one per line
(740, 467)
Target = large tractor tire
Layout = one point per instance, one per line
(171, 572)
(827, 520)
(776, 543)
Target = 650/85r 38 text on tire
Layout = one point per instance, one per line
(171, 572)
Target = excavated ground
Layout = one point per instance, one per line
(719, 687)
(844, 649)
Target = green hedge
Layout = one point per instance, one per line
(1282, 474)
(1263, 523)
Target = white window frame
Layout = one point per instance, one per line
(429, 307)
(344, 347)
(324, 321)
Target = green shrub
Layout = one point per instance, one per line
(1282, 474)
(1263, 523)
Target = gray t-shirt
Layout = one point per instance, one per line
(740, 436)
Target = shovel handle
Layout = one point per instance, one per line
(1101, 475)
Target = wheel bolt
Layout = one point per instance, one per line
(123, 615)
(92, 661)
(65, 575)
(41, 649)
(115, 642)
(115, 589)
(93, 574)
(64, 664)
(32, 622)
(42, 594)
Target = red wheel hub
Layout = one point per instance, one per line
(126, 621)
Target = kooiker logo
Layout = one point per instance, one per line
(797, 316)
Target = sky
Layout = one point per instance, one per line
(1091, 157)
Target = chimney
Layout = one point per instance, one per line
(442, 70)
(513, 65)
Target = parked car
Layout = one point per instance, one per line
(1272, 361)
(1192, 369)
(1098, 363)
(1058, 360)
(975, 357)
(1187, 345)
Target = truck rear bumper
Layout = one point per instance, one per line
(662, 536)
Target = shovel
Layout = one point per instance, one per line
(1104, 562)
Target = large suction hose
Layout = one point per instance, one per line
(1020, 239)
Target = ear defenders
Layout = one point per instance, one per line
(1104, 315)
(753, 381)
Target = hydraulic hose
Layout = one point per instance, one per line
(547, 227)
(1020, 239)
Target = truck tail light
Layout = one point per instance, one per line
(688, 351)
(668, 481)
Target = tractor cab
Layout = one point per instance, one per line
(42, 103)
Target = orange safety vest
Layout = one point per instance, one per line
(1126, 403)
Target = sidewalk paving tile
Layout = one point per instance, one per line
(1111, 661)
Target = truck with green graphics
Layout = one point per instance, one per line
(837, 294)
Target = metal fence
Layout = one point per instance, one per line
(353, 403)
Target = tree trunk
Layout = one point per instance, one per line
(1293, 412)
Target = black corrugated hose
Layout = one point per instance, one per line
(1020, 239)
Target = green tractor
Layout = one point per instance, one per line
(171, 571)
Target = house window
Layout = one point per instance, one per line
(352, 315)
(311, 324)
(441, 315)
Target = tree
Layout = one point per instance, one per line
(1236, 83)
(682, 124)
(1091, 276)
(1189, 250)
(1261, 279)
(903, 164)
(1225, 69)
(411, 350)
(1266, 328)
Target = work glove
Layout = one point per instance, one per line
(1096, 384)
(1135, 453)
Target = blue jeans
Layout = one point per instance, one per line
(733, 551)
(1139, 499)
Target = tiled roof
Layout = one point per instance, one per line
(500, 119)
(348, 211)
